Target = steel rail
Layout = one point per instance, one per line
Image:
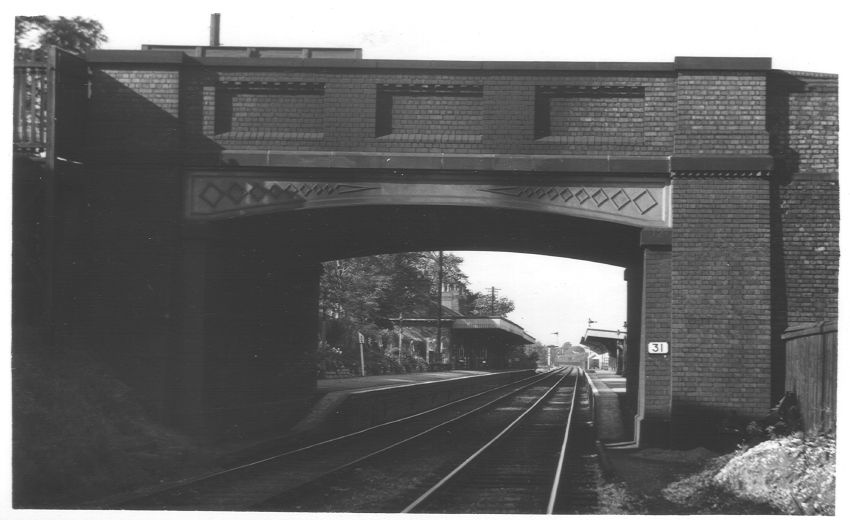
(406, 440)
(553, 495)
(484, 448)
(229, 471)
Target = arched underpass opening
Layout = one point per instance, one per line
(257, 326)
(497, 310)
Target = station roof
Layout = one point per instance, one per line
(503, 325)
(603, 340)
(605, 334)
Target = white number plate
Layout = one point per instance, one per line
(658, 347)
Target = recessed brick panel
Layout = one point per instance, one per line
(584, 115)
(267, 113)
(433, 113)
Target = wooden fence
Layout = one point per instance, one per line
(811, 372)
(30, 107)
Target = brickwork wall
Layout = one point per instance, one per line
(592, 116)
(276, 112)
(500, 120)
(134, 111)
(721, 296)
(261, 310)
(122, 289)
(125, 301)
(435, 115)
(721, 113)
(656, 312)
(265, 116)
(803, 123)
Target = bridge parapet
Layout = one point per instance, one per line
(240, 103)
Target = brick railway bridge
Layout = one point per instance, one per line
(185, 197)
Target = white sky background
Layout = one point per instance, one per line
(798, 35)
(551, 294)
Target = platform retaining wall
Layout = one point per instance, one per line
(365, 408)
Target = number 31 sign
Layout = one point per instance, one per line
(658, 347)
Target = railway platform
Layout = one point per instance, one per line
(372, 399)
(350, 403)
(356, 402)
(344, 384)
(608, 391)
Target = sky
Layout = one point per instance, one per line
(551, 294)
(797, 35)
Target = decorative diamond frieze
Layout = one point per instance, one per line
(644, 201)
(228, 196)
(222, 195)
(635, 202)
(566, 194)
(211, 195)
(582, 196)
(620, 199)
(600, 197)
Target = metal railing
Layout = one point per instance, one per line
(30, 107)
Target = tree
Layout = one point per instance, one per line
(35, 34)
(452, 271)
(484, 304)
(370, 289)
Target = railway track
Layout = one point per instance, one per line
(258, 485)
(523, 476)
(504, 459)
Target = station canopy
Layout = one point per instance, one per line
(504, 328)
(603, 341)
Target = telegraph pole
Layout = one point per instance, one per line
(400, 335)
(437, 348)
(493, 291)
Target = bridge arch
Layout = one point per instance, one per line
(255, 276)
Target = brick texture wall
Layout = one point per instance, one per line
(258, 115)
(591, 115)
(133, 114)
(125, 302)
(656, 311)
(720, 296)
(721, 113)
(421, 114)
(803, 123)
(494, 113)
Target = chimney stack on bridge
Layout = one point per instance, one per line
(215, 29)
